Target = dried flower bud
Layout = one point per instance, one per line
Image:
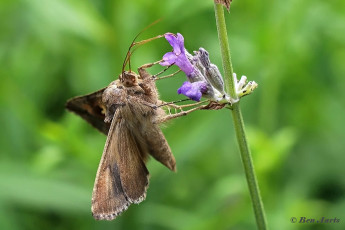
(226, 3)
(196, 63)
(212, 73)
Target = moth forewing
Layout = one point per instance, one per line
(133, 172)
(108, 197)
(122, 177)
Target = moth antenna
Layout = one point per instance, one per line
(129, 61)
(127, 58)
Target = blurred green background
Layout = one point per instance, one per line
(56, 49)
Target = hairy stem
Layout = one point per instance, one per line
(238, 120)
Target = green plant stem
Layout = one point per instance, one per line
(238, 120)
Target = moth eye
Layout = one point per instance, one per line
(120, 87)
(133, 79)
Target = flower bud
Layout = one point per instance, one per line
(212, 73)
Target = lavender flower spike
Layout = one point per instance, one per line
(178, 55)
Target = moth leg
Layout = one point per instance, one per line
(169, 109)
(193, 104)
(148, 81)
(147, 40)
(170, 75)
(159, 73)
(140, 101)
(153, 106)
(142, 70)
(180, 114)
(148, 65)
(180, 107)
(172, 106)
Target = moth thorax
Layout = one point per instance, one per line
(129, 79)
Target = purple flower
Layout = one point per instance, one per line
(204, 78)
(178, 55)
(193, 90)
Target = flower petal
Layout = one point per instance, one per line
(180, 42)
(185, 87)
(193, 90)
(174, 42)
(168, 59)
(179, 54)
(184, 64)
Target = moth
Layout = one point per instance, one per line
(129, 112)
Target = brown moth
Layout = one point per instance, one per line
(128, 112)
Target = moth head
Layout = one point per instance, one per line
(129, 79)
